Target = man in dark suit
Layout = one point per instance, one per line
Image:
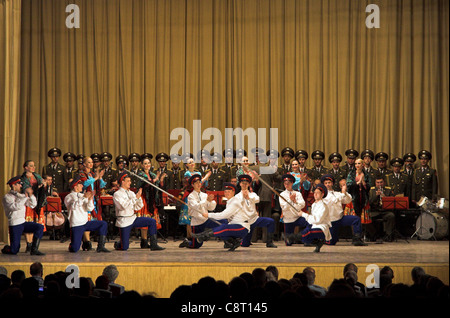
(218, 176)
(382, 171)
(287, 154)
(55, 169)
(376, 208)
(425, 178)
(176, 178)
(408, 171)
(301, 156)
(316, 172)
(338, 174)
(368, 156)
(111, 173)
(229, 167)
(397, 181)
(351, 155)
(69, 170)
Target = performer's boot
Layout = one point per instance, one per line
(86, 246)
(185, 243)
(227, 244)
(203, 236)
(269, 242)
(101, 245)
(235, 243)
(35, 247)
(28, 248)
(118, 246)
(6, 249)
(357, 240)
(318, 244)
(144, 243)
(289, 239)
(154, 244)
(293, 238)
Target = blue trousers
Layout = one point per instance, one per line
(76, 233)
(138, 222)
(16, 231)
(226, 231)
(309, 234)
(347, 220)
(269, 223)
(200, 228)
(289, 227)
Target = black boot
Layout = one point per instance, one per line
(357, 240)
(86, 246)
(185, 243)
(234, 242)
(101, 245)
(290, 239)
(154, 244)
(318, 244)
(28, 248)
(144, 243)
(269, 242)
(203, 236)
(35, 247)
(6, 249)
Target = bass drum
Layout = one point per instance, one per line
(55, 220)
(432, 224)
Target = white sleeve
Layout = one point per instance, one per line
(125, 204)
(229, 211)
(12, 203)
(74, 201)
(254, 198)
(31, 201)
(317, 216)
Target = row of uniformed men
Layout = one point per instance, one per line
(409, 181)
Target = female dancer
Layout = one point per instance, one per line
(358, 186)
(30, 179)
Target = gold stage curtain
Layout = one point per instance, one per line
(10, 18)
(137, 69)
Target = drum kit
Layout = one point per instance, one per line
(433, 221)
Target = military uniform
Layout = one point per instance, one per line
(135, 182)
(110, 174)
(97, 162)
(369, 170)
(218, 176)
(338, 174)
(286, 167)
(121, 163)
(425, 179)
(351, 154)
(69, 172)
(382, 172)
(376, 211)
(302, 154)
(316, 172)
(408, 171)
(55, 170)
(228, 167)
(176, 178)
(398, 182)
(203, 167)
(165, 182)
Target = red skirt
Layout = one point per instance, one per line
(365, 216)
(32, 216)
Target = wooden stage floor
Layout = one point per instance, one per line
(162, 271)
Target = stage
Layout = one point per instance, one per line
(160, 272)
